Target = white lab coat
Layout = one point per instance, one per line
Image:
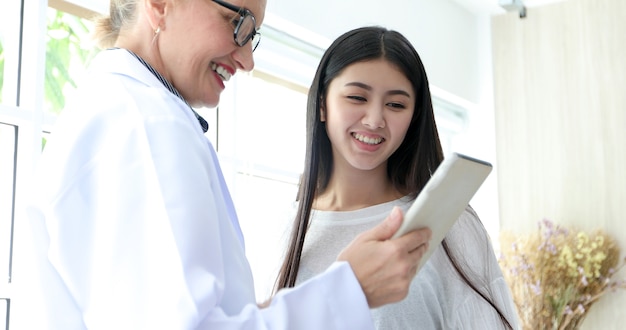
(134, 227)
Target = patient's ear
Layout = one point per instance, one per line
(322, 111)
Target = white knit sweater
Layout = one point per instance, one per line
(438, 298)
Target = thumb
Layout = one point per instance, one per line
(387, 228)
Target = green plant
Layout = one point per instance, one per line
(66, 47)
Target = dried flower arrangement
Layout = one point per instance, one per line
(556, 274)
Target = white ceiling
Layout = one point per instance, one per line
(492, 7)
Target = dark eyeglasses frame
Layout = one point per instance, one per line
(243, 13)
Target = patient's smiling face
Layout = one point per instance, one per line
(368, 109)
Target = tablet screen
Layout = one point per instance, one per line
(444, 198)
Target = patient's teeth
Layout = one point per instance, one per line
(367, 139)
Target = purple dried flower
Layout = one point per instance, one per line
(580, 309)
(567, 310)
(584, 281)
(552, 249)
(547, 245)
(536, 287)
(548, 229)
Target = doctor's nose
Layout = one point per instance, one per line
(243, 57)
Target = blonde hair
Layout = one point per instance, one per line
(107, 27)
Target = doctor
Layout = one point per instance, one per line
(133, 225)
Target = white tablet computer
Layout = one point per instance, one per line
(444, 198)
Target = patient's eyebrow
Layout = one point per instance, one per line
(369, 88)
(359, 84)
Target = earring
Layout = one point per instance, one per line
(157, 31)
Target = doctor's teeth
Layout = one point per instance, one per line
(221, 71)
(367, 140)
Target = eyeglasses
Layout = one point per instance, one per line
(245, 28)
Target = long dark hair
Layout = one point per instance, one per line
(408, 168)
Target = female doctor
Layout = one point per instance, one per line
(133, 224)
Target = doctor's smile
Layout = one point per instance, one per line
(222, 71)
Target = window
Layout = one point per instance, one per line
(9, 45)
(10, 20)
(262, 154)
(451, 123)
(8, 140)
(261, 144)
(68, 52)
(1, 66)
(4, 313)
(27, 77)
